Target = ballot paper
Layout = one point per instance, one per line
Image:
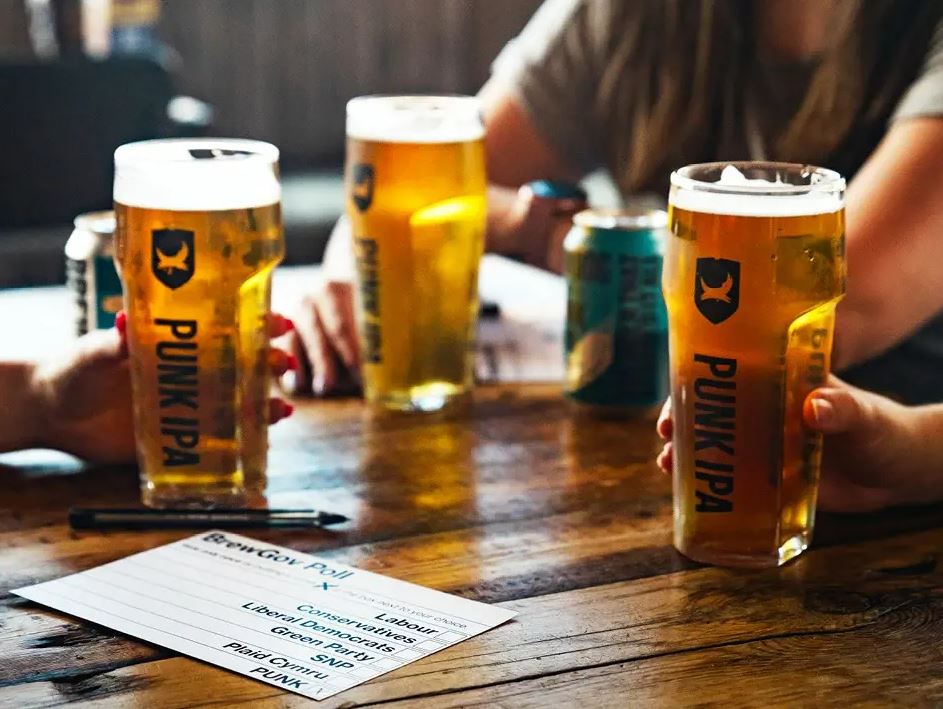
(299, 622)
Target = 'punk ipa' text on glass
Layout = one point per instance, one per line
(198, 235)
(753, 271)
(416, 202)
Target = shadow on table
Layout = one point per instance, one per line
(834, 529)
(39, 490)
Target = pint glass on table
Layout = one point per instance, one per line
(416, 203)
(198, 235)
(753, 272)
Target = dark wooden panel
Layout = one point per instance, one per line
(14, 36)
(282, 71)
(494, 23)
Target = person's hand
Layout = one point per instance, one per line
(325, 342)
(84, 396)
(873, 456)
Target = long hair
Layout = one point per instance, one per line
(681, 67)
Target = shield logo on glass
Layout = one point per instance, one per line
(363, 186)
(172, 257)
(717, 288)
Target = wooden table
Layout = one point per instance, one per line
(514, 501)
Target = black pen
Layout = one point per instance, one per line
(146, 518)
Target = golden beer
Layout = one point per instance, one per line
(416, 202)
(754, 269)
(198, 235)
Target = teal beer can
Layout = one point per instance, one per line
(91, 274)
(616, 336)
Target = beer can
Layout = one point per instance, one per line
(616, 339)
(134, 26)
(91, 275)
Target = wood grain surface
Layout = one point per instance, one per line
(513, 500)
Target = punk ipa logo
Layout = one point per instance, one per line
(363, 186)
(172, 257)
(717, 288)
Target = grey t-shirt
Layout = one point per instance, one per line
(554, 68)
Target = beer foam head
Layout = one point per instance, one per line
(770, 190)
(415, 119)
(204, 174)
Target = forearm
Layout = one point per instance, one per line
(894, 218)
(517, 154)
(864, 330)
(506, 214)
(20, 415)
(338, 261)
(900, 296)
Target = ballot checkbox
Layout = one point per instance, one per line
(362, 672)
(409, 654)
(452, 637)
(432, 645)
(387, 663)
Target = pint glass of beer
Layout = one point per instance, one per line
(754, 269)
(198, 235)
(416, 204)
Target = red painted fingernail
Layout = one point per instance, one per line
(291, 361)
(288, 409)
(289, 324)
(121, 321)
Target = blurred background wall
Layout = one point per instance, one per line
(282, 70)
(14, 36)
(275, 70)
